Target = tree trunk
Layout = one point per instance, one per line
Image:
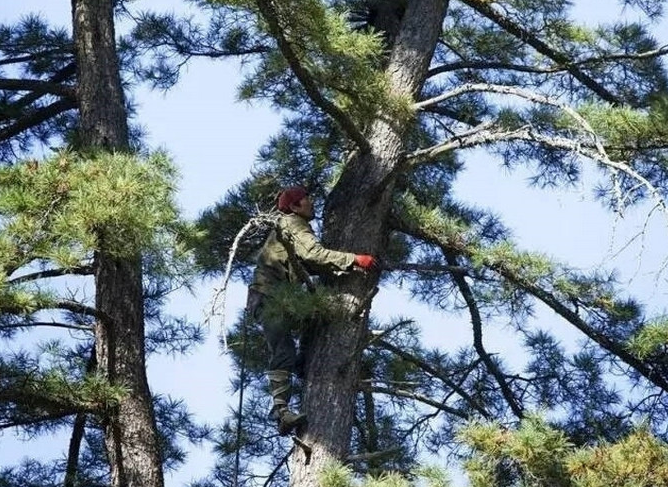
(131, 436)
(355, 220)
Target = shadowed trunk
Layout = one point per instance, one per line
(355, 220)
(130, 432)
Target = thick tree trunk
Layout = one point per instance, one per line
(130, 432)
(355, 220)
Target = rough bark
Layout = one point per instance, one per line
(356, 220)
(131, 436)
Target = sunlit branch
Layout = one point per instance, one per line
(482, 134)
(271, 16)
(449, 67)
(485, 8)
(374, 455)
(218, 301)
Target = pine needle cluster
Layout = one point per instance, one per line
(345, 63)
(336, 475)
(542, 456)
(290, 303)
(62, 209)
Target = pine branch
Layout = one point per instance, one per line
(454, 66)
(476, 322)
(371, 442)
(441, 406)
(484, 7)
(421, 364)
(615, 348)
(78, 430)
(270, 14)
(82, 309)
(38, 86)
(33, 57)
(32, 324)
(59, 76)
(37, 117)
(483, 135)
(373, 455)
(77, 271)
(618, 350)
(411, 267)
(51, 416)
(445, 68)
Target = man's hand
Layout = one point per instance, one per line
(364, 261)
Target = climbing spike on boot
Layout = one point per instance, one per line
(288, 421)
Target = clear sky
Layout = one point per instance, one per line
(214, 140)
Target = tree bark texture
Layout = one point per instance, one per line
(131, 437)
(103, 120)
(356, 220)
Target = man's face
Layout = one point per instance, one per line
(303, 208)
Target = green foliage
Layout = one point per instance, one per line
(452, 228)
(544, 456)
(651, 339)
(335, 475)
(620, 125)
(291, 303)
(536, 448)
(55, 389)
(639, 460)
(343, 62)
(70, 205)
(24, 301)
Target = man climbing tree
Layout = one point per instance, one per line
(400, 107)
(289, 255)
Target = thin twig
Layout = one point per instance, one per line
(218, 301)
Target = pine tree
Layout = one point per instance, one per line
(94, 210)
(377, 124)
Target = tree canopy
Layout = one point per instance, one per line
(385, 105)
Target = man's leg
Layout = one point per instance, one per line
(281, 366)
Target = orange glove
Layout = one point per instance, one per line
(365, 261)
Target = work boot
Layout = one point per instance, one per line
(288, 421)
(281, 389)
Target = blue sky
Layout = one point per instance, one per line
(214, 140)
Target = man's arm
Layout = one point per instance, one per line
(309, 249)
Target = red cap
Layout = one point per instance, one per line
(291, 196)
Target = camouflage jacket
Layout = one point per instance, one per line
(273, 264)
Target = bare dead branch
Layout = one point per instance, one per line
(218, 301)
(441, 406)
(483, 135)
(421, 364)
